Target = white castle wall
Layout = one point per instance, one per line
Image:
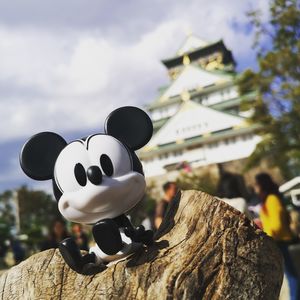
(217, 152)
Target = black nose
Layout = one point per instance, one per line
(94, 175)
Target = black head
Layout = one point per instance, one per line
(97, 177)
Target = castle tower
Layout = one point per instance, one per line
(197, 118)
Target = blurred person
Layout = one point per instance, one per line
(253, 197)
(80, 237)
(3, 248)
(229, 190)
(3, 251)
(254, 205)
(170, 190)
(58, 232)
(275, 222)
(295, 222)
(18, 250)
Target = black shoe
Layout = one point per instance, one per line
(89, 267)
(140, 235)
(107, 236)
(80, 264)
(144, 236)
(147, 238)
(71, 254)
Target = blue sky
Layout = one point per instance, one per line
(64, 65)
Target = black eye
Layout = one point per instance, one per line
(80, 174)
(106, 165)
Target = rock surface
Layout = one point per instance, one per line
(204, 249)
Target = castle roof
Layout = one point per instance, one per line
(196, 49)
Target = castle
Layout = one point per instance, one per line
(197, 118)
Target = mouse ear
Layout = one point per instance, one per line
(39, 154)
(130, 125)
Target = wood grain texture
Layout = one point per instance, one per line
(204, 249)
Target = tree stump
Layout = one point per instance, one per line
(204, 249)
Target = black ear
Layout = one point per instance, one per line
(39, 155)
(130, 125)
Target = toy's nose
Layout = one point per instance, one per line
(94, 175)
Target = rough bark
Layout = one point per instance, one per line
(204, 249)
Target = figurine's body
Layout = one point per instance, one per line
(127, 239)
(96, 180)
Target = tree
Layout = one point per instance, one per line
(37, 211)
(145, 208)
(7, 218)
(276, 84)
(7, 221)
(204, 249)
(197, 181)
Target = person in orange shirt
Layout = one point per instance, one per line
(170, 191)
(275, 222)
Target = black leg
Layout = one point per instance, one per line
(107, 236)
(80, 264)
(89, 266)
(71, 254)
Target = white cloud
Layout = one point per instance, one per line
(14, 173)
(71, 79)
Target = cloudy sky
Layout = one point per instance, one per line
(65, 64)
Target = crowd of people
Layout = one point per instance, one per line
(59, 232)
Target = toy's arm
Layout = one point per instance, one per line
(138, 234)
(123, 222)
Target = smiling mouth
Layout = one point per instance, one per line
(105, 201)
(66, 206)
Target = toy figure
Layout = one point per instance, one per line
(96, 180)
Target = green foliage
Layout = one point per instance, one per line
(37, 211)
(276, 84)
(7, 218)
(145, 208)
(197, 181)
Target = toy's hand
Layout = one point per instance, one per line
(130, 232)
(140, 235)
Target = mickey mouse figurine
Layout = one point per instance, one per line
(96, 180)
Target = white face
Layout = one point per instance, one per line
(96, 180)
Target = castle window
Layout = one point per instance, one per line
(247, 137)
(177, 153)
(233, 140)
(214, 145)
